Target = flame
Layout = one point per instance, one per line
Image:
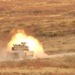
(31, 42)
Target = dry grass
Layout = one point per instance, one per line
(45, 13)
(55, 66)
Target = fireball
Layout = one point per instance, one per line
(31, 42)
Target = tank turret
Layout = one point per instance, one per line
(20, 47)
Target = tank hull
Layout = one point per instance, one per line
(15, 55)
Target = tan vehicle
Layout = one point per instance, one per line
(20, 52)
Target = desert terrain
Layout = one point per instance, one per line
(52, 22)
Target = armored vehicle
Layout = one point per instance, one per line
(20, 52)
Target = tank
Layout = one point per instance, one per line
(20, 52)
